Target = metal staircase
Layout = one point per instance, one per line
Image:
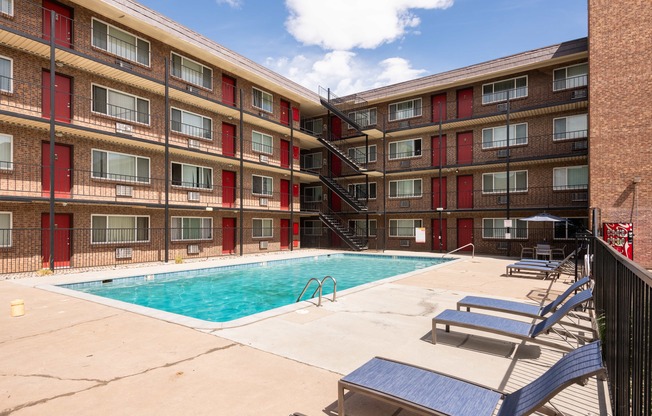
(335, 223)
(344, 194)
(343, 156)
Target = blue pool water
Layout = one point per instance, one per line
(222, 294)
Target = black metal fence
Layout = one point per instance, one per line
(623, 297)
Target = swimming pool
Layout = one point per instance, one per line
(222, 294)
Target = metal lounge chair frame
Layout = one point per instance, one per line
(431, 393)
(548, 268)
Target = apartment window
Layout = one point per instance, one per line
(572, 177)
(7, 7)
(262, 143)
(118, 42)
(314, 126)
(404, 149)
(120, 105)
(570, 77)
(6, 151)
(359, 190)
(364, 118)
(359, 154)
(359, 227)
(405, 109)
(120, 166)
(263, 185)
(5, 229)
(263, 100)
(312, 161)
(497, 136)
(119, 228)
(405, 188)
(263, 228)
(403, 228)
(312, 228)
(191, 176)
(495, 228)
(497, 91)
(312, 194)
(6, 74)
(191, 124)
(566, 230)
(497, 182)
(571, 127)
(191, 71)
(191, 228)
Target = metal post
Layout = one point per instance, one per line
(385, 193)
(508, 230)
(291, 190)
(241, 176)
(440, 182)
(168, 179)
(52, 135)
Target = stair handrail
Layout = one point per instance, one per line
(362, 204)
(459, 248)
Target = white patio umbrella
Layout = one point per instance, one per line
(544, 217)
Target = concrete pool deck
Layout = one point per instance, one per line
(70, 356)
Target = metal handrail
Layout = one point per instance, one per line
(334, 286)
(319, 288)
(459, 248)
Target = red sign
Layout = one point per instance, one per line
(620, 236)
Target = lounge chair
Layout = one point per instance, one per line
(509, 327)
(546, 267)
(519, 308)
(428, 392)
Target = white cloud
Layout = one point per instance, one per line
(347, 24)
(233, 3)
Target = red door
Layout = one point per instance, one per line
(285, 154)
(336, 165)
(438, 105)
(228, 139)
(62, 239)
(465, 147)
(436, 228)
(465, 103)
(62, 23)
(464, 233)
(228, 189)
(62, 97)
(336, 128)
(285, 194)
(336, 202)
(435, 150)
(62, 170)
(285, 112)
(465, 191)
(228, 235)
(436, 203)
(228, 90)
(285, 234)
(295, 231)
(296, 116)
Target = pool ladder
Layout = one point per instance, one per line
(320, 285)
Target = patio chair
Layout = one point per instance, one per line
(543, 250)
(510, 327)
(558, 251)
(429, 392)
(519, 308)
(527, 252)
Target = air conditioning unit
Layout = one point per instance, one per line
(263, 245)
(123, 128)
(124, 190)
(123, 64)
(580, 196)
(502, 153)
(124, 253)
(193, 144)
(263, 115)
(501, 245)
(404, 204)
(579, 94)
(193, 196)
(404, 243)
(193, 248)
(264, 158)
(405, 164)
(403, 124)
(263, 202)
(501, 107)
(192, 89)
(502, 199)
(581, 145)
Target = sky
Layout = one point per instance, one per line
(356, 45)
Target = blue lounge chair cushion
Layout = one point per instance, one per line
(485, 322)
(504, 305)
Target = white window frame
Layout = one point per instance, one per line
(364, 118)
(565, 186)
(307, 194)
(352, 188)
(373, 231)
(177, 232)
(189, 79)
(262, 100)
(261, 147)
(501, 222)
(202, 131)
(107, 114)
(10, 7)
(11, 228)
(413, 195)
(11, 75)
(184, 183)
(135, 230)
(513, 140)
(263, 179)
(498, 96)
(313, 157)
(416, 223)
(360, 154)
(8, 164)
(566, 224)
(262, 227)
(565, 79)
(512, 182)
(108, 36)
(570, 134)
(416, 110)
(397, 156)
(120, 177)
(312, 230)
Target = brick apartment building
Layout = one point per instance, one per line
(164, 145)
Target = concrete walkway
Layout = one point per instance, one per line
(70, 356)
